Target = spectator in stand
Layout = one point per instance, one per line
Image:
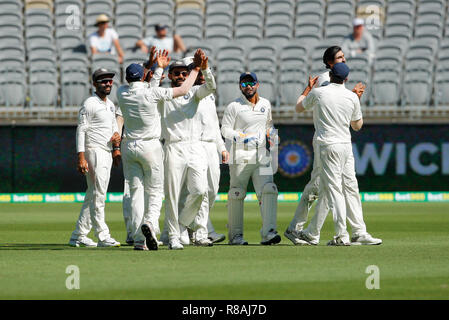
(162, 42)
(105, 39)
(360, 41)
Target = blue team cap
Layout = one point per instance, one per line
(340, 71)
(134, 71)
(248, 74)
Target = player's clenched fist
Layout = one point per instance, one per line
(359, 88)
(82, 165)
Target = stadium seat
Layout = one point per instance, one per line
(291, 82)
(43, 39)
(11, 6)
(75, 86)
(190, 4)
(227, 91)
(390, 47)
(385, 90)
(250, 6)
(416, 91)
(219, 6)
(128, 42)
(107, 61)
(13, 91)
(129, 27)
(293, 51)
(43, 86)
(96, 7)
(39, 28)
(159, 5)
(73, 60)
(429, 29)
(273, 29)
(12, 28)
(11, 50)
(217, 36)
(38, 16)
(219, 17)
(441, 89)
(248, 32)
(129, 6)
(11, 40)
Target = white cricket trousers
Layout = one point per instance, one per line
(143, 168)
(266, 194)
(99, 162)
(309, 193)
(354, 213)
(213, 181)
(126, 204)
(185, 163)
(338, 184)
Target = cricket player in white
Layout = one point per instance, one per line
(246, 122)
(142, 149)
(215, 150)
(185, 158)
(95, 135)
(331, 56)
(335, 109)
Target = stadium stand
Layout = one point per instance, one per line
(283, 40)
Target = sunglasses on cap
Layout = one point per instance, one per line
(104, 81)
(248, 83)
(183, 73)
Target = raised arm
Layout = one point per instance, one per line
(299, 105)
(210, 85)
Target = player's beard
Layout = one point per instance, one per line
(249, 96)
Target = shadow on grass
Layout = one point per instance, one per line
(47, 246)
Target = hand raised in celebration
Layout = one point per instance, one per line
(163, 60)
(359, 89)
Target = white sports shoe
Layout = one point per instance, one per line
(238, 240)
(294, 237)
(82, 242)
(175, 245)
(160, 243)
(271, 238)
(140, 245)
(337, 241)
(365, 239)
(111, 242)
(216, 237)
(203, 242)
(184, 235)
(150, 237)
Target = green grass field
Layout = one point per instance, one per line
(413, 260)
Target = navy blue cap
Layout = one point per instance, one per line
(158, 27)
(248, 74)
(134, 71)
(340, 71)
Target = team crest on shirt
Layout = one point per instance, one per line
(295, 159)
(112, 109)
(187, 96)
(262, 109)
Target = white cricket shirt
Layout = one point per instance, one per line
(244, 117)
(178, 114)
(96, 124)
(334, 109)
(210, 126)
(138, 105)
